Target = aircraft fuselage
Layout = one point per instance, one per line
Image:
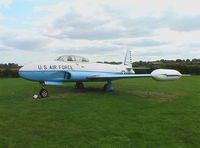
(71, 71)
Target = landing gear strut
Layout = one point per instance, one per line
(79, 85)
(108, 86)
(42, 94)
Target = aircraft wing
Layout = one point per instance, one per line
(118, 76)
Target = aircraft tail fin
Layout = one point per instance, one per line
(128, 58)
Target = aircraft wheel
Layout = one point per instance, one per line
(43, 93)
(105, 87)
(108, 86)
(79, 86)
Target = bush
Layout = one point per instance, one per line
(8, 73)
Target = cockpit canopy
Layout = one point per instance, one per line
(72, 58)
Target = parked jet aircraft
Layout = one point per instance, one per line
(70, 68)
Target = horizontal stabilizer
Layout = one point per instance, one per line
(53, 83)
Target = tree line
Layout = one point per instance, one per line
(184, 66)
(9, 70)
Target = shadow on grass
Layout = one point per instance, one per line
(70, 91)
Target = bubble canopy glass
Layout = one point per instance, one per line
(72, 58)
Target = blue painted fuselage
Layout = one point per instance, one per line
(62, 76)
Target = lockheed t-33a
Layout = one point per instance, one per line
(70, 68)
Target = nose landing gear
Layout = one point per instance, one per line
(42, 94)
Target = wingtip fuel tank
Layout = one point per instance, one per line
(166, 74)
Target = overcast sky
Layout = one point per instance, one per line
(33, 30)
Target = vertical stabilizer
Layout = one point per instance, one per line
(128, 58)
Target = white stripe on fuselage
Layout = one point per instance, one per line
(72, 66)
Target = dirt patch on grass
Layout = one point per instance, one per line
(156, 96)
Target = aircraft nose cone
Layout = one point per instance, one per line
(24, 73)
(20, 72)
(21, 68)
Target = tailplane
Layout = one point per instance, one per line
(128, 58)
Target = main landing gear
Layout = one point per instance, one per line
(79, 85)
(42, 94)
(108, 86)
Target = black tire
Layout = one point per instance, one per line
(43, 93)
(105, 87)
(79, 86)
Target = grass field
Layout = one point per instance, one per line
(139, 113)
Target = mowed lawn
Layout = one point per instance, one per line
(139, 113)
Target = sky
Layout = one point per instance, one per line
(101, 30)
